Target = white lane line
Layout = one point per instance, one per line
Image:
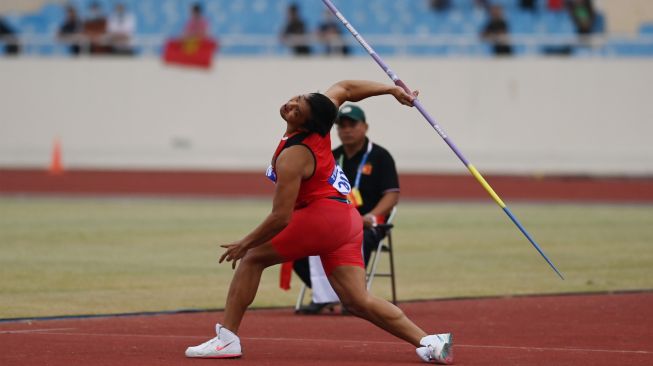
(572, 349)
(523, 348)
(44, 330)
(75, 334)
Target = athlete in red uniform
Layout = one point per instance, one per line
(311, 216)
(323, 221)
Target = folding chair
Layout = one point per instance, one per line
(385, 246)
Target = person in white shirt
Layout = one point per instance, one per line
(120, 30)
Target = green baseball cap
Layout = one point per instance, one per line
(352, 112)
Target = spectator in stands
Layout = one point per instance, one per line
(70, 30)
(8, 37)
(582, 13)
(330, 34)
(95, 13)
(483, 4)
(528, 5)
(195, 47)
(197, 26)
(294, 33)
(95, 28)
(440, 5)
(556, 5)
(496, 32)
(371, 170)
(120, 31)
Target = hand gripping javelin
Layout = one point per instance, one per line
(439, 130)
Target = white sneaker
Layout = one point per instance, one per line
(438, 348)
(224, 345)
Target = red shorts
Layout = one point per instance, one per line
(326, 227)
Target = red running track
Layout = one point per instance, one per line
(570, 330)
(235, 184)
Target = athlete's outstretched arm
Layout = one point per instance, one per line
(292, 165)
(355, 90)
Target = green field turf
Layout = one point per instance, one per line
(61, 256)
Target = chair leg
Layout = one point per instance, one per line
(300, 298)
(375, 262)
(371, 273)
(392, 269)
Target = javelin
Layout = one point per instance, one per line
(439, 130)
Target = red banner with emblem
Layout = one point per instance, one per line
(193, 52)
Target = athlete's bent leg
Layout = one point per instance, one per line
(242, 291)
(245, 283)
(349, 284)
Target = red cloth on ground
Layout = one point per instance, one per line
(285, 275)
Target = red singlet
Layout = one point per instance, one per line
(323, 222)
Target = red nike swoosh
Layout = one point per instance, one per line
(218, 348)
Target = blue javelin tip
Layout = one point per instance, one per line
(528, 236)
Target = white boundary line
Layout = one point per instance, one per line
(57, 331)
(557, 349)
(44, 330)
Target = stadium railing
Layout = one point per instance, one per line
(396, 45)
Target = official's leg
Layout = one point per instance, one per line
(303, 270)
(349, 284)
(245, 281)
(371, 239)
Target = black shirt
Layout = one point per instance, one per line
(70, 27)
(378, 176)
(5, 29)
(297, 28)
(498, 27)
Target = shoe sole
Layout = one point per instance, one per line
(447, 351)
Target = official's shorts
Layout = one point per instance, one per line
(329, 228)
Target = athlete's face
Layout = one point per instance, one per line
(351, 132)
(296, 111)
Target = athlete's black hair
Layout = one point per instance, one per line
(323, 114)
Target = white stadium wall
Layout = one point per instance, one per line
(526, 116)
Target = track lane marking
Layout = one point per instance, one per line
(56, 331)
(44, 330)
(572, 349)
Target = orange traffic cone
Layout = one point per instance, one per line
(56, 167)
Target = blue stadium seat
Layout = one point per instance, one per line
(439, 50)
(599, 23)
(33, 24)
(519, 50)
(465, 6)
(646, 29)
(630, 49)
(53, 15)
(372, 18)
(522, 23)
(556, 23)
